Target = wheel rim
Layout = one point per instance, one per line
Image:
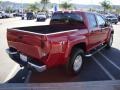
(77, 63)
(111, 40)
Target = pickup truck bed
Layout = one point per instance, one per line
(47, 29)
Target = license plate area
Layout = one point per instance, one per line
(23, 57)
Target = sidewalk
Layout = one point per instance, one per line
(8, 20)
(7, 66)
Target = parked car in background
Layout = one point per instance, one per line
(30, 15)
(0, 15)
(41, 17)
(112, 19)
(23, 17)
(118, 17)
(6, 15)
(3, 14)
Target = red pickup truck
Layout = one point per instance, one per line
(70, 36)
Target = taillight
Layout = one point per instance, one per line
(45, 48)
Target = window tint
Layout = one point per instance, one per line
(67, 17)
(111, 17)
(101, 21)
(92, 20)
(74, 18)
(57, 17)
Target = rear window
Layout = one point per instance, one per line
(29, 13)
(111, 17)
(67, 18)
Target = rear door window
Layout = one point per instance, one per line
(92, 20)
(100, 20)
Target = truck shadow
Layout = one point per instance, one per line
(89, 72)
(20, 77)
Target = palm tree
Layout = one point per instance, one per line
(106, 5)
(44, 2)
(0, 4)
(117, 10)
(33, 7)
(66, 6)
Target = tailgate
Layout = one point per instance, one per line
(28, 43)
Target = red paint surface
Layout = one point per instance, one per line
(56, 46)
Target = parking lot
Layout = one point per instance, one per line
(104, 65)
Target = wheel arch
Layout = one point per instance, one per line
(81, 45)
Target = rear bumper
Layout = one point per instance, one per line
(41, 19)
(113, 21)
(16, 57)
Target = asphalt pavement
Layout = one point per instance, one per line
(103, 66)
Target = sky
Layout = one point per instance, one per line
(96, 2)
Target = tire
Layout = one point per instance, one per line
(75, 62)
(115, 22)
(37, 20)
(109, 44)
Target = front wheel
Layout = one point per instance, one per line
(109, 44)
(75, 62)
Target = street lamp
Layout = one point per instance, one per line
(59, 4)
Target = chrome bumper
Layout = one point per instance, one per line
(15, 57)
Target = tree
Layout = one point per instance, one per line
(91, 10)
(33, 7)
(117, 10)
(9, 9)
(66, 6)
(0, 4)
(44, 2)
(106, 5)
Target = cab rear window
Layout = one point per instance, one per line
(67, 18)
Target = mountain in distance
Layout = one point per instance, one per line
(16, 6)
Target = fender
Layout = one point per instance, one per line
(110, 32)
(76, 41)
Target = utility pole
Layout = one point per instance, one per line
(22, 6)
(59, 4)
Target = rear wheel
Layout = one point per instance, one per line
(109, 44)
(75, 62)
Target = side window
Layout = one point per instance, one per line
(100, 20)
(92, 20)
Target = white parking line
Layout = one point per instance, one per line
(28, 76)
(12, 72)
(109, 61)
(105, 70)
